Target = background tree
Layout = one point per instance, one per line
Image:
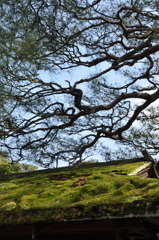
(6, 166)
(113, 45)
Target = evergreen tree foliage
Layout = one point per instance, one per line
(76, 76)
(7, 167)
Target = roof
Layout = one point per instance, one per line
(90, 191)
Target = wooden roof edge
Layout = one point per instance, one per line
(78, 166)
(153, 170)
(146, 158)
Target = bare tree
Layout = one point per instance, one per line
(114, 44)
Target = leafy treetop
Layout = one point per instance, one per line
(110, 49)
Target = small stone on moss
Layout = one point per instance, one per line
(9, 206)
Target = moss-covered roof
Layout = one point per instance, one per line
(87, 192)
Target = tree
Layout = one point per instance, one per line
(112, 44)
(6, 166)
(148, 134)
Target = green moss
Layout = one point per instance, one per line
(103, 187)
(108, 190)
(9, 206)
(7, 186)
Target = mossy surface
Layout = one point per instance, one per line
(81, 193)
